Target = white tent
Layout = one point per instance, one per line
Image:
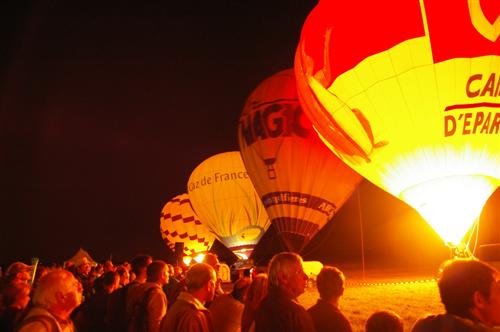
(80, 257)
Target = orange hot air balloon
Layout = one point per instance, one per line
(301, 183)
(225, 200)
(407, 94)
(179, 223)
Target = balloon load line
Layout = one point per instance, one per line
(392, 283)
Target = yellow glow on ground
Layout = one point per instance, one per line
(451, 204)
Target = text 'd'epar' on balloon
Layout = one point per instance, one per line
(408, 94)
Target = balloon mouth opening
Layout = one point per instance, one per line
(451, 204)
(243, 252)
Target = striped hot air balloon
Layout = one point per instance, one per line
(179, 223)
(407, 93)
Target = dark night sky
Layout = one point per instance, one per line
(106, 109)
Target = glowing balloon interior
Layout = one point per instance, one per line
(225, 200)
(179, 223)
(407, 93)
(301, 183)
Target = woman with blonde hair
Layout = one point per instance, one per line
(256, 292)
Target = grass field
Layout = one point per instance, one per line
(411, 294)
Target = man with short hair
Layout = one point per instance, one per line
(90, 316)
(213, 260)
(470, 293)
(325, 313)
(140, 265)
(279, 310)
(58, 293)
(188, 313)
(118, 311)
(151, 304)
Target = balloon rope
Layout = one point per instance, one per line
(34, 264)
(476, 226)
(361, 231)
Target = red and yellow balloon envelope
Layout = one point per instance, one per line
(179, 223)
(301, 183)
(225, 200)
(408, 94)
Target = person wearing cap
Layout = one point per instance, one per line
(227, 309)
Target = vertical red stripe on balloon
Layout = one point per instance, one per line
(452, 32)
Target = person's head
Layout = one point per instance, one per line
(83, 267)
(16, 295)
(140, 264)
(18, 272)
(200, 281)
(123, 274)
(108, 266)
(330, 283)
(240, 288)
(212, 260)
(257, 290)
(286, 272)
(58, 291)
(110, 281)
(178, 272)
(384, 321)
(470, 288)
(158, 272)
(171, 271)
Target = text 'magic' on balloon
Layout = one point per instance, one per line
(407, 94)
(301, 183)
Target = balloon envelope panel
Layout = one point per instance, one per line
(301, 183)
(224, 198)
(179, 223)
(407, 93)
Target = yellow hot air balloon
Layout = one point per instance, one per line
(224, 198)
(301, 183)
(179, 223)
(407, 93)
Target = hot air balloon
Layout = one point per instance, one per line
(179, 223)
(301, 183)
(407, 94)
(225, 200)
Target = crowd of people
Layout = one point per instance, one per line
(149, 295)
